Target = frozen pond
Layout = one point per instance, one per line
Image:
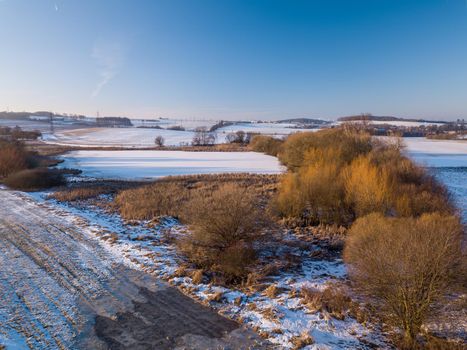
(455, 179)
(447, 160)
(154, 164)
(437, 153)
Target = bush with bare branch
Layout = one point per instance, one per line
(224, 226)
(405, 265)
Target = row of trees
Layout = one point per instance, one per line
(16, 133)
(205, 137)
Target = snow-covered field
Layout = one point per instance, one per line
(119, 137)
(144, 137)
(153, 164)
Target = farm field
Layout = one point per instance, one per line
(144, 137)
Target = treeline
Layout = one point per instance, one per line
(368, 117)
(113, 122)
(17, 133)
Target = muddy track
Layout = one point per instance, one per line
(59, 289)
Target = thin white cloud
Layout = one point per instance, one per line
(109, 58)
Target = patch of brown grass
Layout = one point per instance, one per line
(169, 196)
(331, 300)
(301, 341)
(84, 191)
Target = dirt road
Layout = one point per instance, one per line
(59, 289)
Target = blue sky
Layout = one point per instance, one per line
(226, 59)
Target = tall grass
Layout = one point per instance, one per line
(169, 196)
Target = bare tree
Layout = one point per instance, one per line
(237, 137)
(203, 137)
(159, 141)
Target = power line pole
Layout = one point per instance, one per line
(51, 121)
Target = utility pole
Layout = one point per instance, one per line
(51, 121)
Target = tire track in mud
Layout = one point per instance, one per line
(59, 289)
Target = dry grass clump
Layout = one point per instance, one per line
(302, 341)
(331, 300)
(223, 228)
(77, 194)
(405, 266)
(197, 276)
(273, 291)
(84, 191)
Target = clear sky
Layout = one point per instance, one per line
(226, 59)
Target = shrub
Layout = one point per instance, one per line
(35, 179)
(367, 187)
(404, 266)
(314, 195)
(339, 144)
(265, 144)
(223, 229)
(13, 158)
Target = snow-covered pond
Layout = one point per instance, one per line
(447, 161)
(153, 164)
(437, 153)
